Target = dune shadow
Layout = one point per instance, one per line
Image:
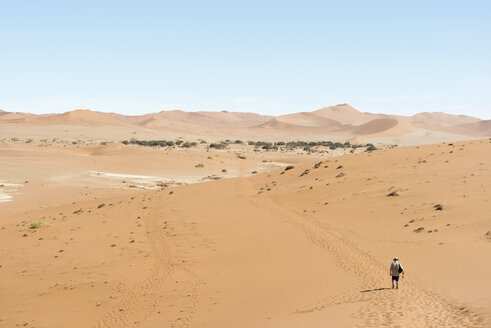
(374, 290)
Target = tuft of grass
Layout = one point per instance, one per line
(224, 171)
(289, 167)
(254, 172)
(200, 165)
(101, 205)
(36, 225)
(210, 157)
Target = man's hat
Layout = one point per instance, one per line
(395, 259)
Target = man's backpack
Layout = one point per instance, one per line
(400, 269)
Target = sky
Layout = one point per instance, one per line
(269, 57)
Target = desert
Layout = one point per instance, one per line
(131, 226)
(245, 164)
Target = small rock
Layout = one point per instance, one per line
(304, 173)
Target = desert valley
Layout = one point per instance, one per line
(228, 219)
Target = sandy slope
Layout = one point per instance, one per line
(271, 250)
(335, 123)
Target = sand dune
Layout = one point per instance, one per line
(209, 119)
(77, 117)
(301, 122)
(6, 116)
(337, 123)
(346, 114)
(480, 128)
(304, 247)
(310, 120)
(442, 119)
(375, 126)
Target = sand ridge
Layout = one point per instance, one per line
(336, 123)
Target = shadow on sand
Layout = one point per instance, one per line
(374, 290)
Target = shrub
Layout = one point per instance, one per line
(238, 142)
(289, 167)
(36, 225)
(254, 172)
(101, 205)
(200, 165)
(269, 146)
(149, 143)
(221, 145)
(29, 140)
(224, 171)
(371, 147)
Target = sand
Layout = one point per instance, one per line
(96, 233)
(306, 247)
(338, 123)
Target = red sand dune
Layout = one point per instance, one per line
(340, 122)
(346, 114)
(375, 126)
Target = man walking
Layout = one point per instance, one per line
(395, 271)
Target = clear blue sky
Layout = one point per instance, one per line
(270, 57)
